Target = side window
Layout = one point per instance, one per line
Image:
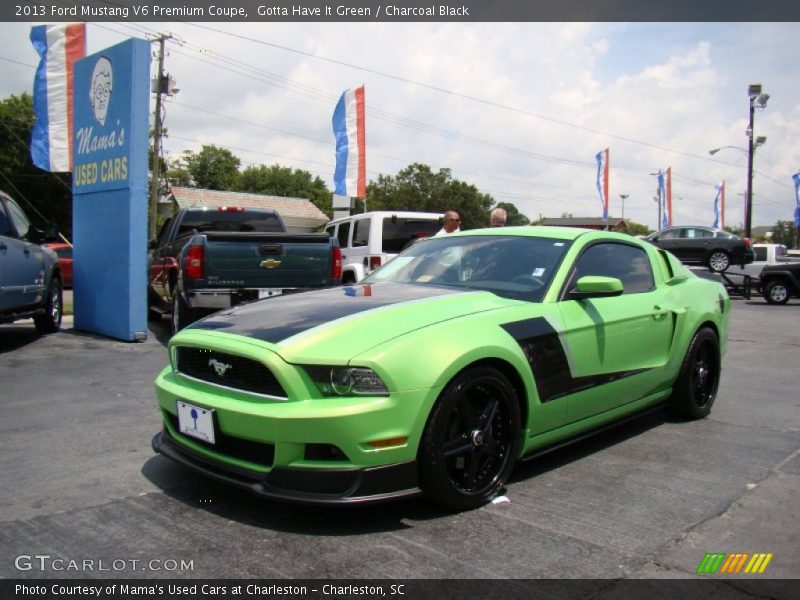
(162, 235)
(361, 233)
(627, 263)
(5, 224)
(670, 234)
(344, 232)
(19, 218)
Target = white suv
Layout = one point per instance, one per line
(369, 240)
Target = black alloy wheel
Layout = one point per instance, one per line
(695, 389)
(471, 440)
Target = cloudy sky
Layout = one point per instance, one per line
(517, 109)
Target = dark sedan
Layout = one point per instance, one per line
(714, 248)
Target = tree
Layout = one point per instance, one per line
(418, 187)
(635, 228)
(513, 216)
(783, 233)
(46, 197)
(285, 181)
(735, 230)
(213, 168)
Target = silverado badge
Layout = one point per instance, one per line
(220, 368)
(270, 263)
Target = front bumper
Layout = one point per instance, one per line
(302, 485)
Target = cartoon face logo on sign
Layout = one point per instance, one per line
(100, 89)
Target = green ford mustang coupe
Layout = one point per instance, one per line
(442, 368)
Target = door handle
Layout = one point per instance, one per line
(658, 312)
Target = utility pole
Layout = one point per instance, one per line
(159, 85)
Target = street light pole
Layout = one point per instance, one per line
(623, 196)
(748, 205)
(754, 92)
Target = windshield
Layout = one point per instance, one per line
(518, 267)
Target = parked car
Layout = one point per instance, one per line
(442, 368)
(207, 259)
(714, 248)
(372, 239)
(780, 282)
(64, 253)
(30, 276)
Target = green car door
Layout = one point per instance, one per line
(618, 343)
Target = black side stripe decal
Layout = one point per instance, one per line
(547, 359)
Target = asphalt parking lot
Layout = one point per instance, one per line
(647, 499)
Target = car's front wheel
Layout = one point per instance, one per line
(719, 261)
(695, 390)
(471, 440)
(777, 292)
(50, 320)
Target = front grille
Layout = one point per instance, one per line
(254, 452)
(229, 370)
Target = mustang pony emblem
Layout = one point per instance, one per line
(220, 368)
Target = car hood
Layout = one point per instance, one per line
(336, 324)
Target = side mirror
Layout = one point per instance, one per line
(593, 286)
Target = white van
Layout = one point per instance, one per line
(369, 240)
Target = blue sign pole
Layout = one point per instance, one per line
(109, 187)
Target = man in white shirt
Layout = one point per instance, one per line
(452, 223)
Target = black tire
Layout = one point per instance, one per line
(695, 390)
(181, 314)
(471, 440)
(50, 320)
(718, 261)
(777, 292)
(349, 278)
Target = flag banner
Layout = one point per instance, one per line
(796, 178)
(668, 198)
(350, 177)
(662, 195)
(58, 46)
(719, 206)
(602, 180)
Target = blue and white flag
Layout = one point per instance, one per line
(662, 195)
(602, 180)
(796, 178)
(719, 206)
(59, 46)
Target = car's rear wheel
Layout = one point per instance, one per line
(695, 389)
(777, 292)
(719, 261)
(50, 320)
(470, 442)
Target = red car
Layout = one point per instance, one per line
(64, 252)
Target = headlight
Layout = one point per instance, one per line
(347, 381)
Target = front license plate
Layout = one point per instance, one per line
(268, 293)
(196, 422)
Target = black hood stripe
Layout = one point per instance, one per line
(276, 319)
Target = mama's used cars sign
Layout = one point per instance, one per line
(109, 185)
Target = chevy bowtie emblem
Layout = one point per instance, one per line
(220, 368)
(270, 263)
